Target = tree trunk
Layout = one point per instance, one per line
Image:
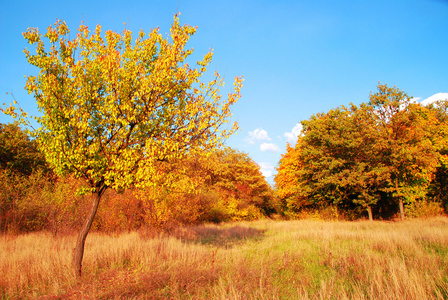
(79, 249)
(400, 201)
(369, 211)
(401, 209)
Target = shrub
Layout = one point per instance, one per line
(424, 209)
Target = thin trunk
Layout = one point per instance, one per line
(369, 211)
(401, 209)
(79, 249)
(400, 200)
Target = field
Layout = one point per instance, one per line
(258, 260)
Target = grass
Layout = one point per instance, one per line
(256, 260)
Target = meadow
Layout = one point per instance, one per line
(303, 259)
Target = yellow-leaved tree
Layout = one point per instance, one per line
(113, 108)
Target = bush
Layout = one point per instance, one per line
(424, 209)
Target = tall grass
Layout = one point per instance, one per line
(256, 260)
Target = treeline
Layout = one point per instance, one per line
(224, 185)
(378, 159)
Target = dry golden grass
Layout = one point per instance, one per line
(257, 260)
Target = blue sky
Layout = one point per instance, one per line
(298, 57)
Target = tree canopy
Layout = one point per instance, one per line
(113, 107)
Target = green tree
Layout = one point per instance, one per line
(18, 153)
(339, 158)
(113, 107)
(367, 174)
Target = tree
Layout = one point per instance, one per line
(367, 174)
(438, 189)
(405, 145)
(287, 178)
(339, 158)
(114, 108)
(245, 191)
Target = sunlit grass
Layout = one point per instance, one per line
(256, 260)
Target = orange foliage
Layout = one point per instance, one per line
(287, 178)
(381, 154)
(223, 185)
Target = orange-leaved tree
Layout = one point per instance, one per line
(405, 142)
(244, 193)
(287, 178)
(113, 107)
(220, 185)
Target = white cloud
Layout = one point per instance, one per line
(295, 132)
(434, 98)
(258, 135)
(266, 169)
(270, 147)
